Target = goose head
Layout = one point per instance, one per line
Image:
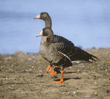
(45, 32)
(43, 16)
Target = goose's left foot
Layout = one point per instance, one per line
(52, 73)
(61, 80)
(48, 69)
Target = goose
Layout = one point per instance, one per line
(57, 54)
(73, 52)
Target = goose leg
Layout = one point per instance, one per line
(48, 69)
(61, 80)
(51, 72)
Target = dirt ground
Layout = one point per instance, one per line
(23, 76)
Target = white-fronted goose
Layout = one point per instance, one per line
(60, 53)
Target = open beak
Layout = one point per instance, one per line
(40, 34)
(37, 17)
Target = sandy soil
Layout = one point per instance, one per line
(23, 76)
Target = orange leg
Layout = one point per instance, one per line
(52, 73)
(61, 80)
(48, 69)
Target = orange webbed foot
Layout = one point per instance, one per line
(52, 73)
(61, 80)
(48, 69)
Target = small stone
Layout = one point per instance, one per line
(87, 96)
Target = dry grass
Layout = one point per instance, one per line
(23, 76)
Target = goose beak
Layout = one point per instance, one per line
(40, 34)
(37, 17)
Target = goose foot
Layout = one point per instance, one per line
(48, 69)
(61, 80)
(52, 73)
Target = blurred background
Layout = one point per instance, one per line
(84, 22)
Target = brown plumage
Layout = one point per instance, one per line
(50, 52)
(59, 53)
(59, 47)
(73, 52)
